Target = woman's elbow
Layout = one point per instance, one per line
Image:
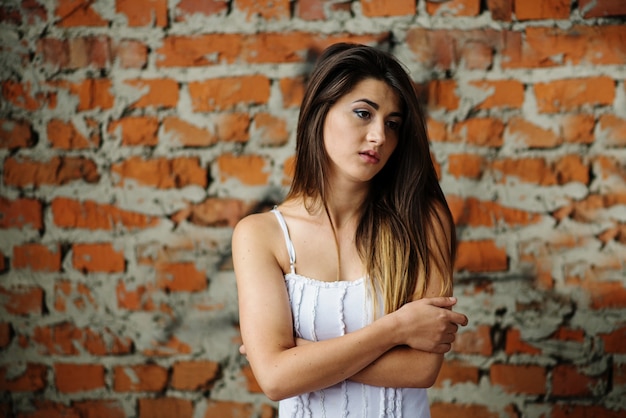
(426, 377)
(273, 388)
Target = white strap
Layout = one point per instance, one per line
(290, 249)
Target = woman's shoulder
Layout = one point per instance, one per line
(256, 224)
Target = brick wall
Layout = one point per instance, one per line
(135, 133)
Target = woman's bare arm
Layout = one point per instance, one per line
(284, 369)
(403, 366)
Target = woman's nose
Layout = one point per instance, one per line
(376, 133)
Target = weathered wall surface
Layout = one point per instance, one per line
(135, 133)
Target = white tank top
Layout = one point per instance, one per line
(323, 310)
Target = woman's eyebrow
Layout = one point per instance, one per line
(376, 106)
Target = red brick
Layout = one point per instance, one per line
(248, 169)
(54, 52)
(612, 130)
(139, 378)
(139, 297)
(130, 53)
(571, 168)
(270, 129)
(252, 385)
(614, 341)
(584, 411)
(49, 409)
(33, 12)
(67, 339)
(99, 408)
(519, 379)
(268, 411)
(233, 127)
(143, 12)
(455, 372)
(194, 375)
(78, 13)
(166, 407)
(454, 8)
(98, 258)
(481, 256)
(68, 213)
(171, 347)
(159, 93)
(572, 94)
(476, 213)
(161, 172)
(5, 334)
(9, 15)
(76, 295)
(442, 95)
(577, 128)
(528, 170)
(187, 134)
(288, 170)
(542, 9)
(569, 380)
(516, 345)
(37, 257)
(601, 8)
(91, 93)
(379, 8)
(32, 379)
(437, 130)
(266, 9)
(292, 91)
(447, 410)
(21, 96)
(89, 51)
(72, 378)
(180, 277)
(216, 212)
(567, 334)
(283, 47)
(502, 94)
(21, 212)
(606, 167)
(228, 409)
(67, 136)
(551, 46)
(466, 165)
(444, 49)
(476, 341)
(15, 134)
(226, 93)
(185, 9)
(136, 130)
(25, 172)
(22, 300)
(525, 133)
(479, 131)
(500, 9)
(312, 9)
(477, 56)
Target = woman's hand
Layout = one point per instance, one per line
(429, 324)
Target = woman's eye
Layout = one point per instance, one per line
(363, 114)
(393, 125)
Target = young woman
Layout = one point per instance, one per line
(357, 323)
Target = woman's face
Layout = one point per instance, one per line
(361, 130)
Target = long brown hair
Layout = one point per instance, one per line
(404, 206)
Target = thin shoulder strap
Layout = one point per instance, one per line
(290, 249)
